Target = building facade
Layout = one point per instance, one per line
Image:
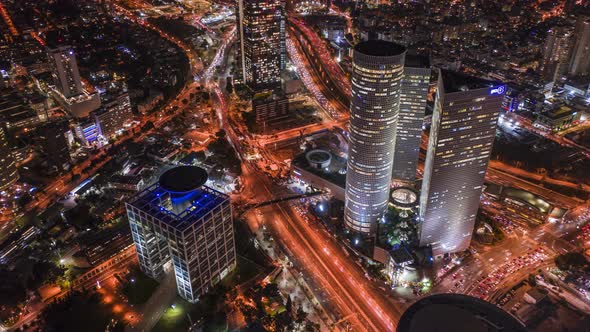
(68, 90)
(8, 170)
(113, 116)
(461, 138)
(261, 32)
(179, 220)
(413, 97)
(54, 143)
(64, 70)
(376, 79)
(580, 63)
(557, 52)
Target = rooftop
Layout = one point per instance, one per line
(379, 48)
(457, 313)
(183, 179)
(458, 82)
(177, 211)
(332, 173)
(417, 61)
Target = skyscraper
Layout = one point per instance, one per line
(8, 171)
(580, 63)
(414, 90)
(557, 52)
(261, 30)
(68, 90)
(182, 221)
(377, 71)
(65, 71)
(461, 139)
(54, 144)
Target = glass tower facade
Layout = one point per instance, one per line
(376, 78)
(261, 29)
(414, 90)
(193, 231)
(461, 138)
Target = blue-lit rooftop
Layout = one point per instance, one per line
(180, 211)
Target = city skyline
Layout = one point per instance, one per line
(294, 166)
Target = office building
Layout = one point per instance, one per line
(182, 221)
(113, 116)
(64, 69)
(580, 62)
(557, 52)
(8, 171)
(269, 110)
(54, 143)
(68, 89)
(461, 138)
(261, 30)
(414, 91)
(377, 71)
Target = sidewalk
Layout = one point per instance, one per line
(290, 285)
(154, 308)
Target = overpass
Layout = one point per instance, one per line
(245, 208)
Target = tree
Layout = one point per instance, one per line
(147, 126)
(571, 261)
(221, 133)
(311, 327)
(531, 279)
(270, 290)
(229, 87)
(300, 316)
(289, 305)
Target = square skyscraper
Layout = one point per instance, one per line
(461, 138)
(180, 220)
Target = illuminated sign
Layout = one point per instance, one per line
(498, 90)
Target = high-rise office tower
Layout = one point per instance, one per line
(461, 138)
(283, 36)
(557, 52)
(261, 28)
(65, 71)
(54, 143)
(182, 221)
(580, 63)
(412, 104)
(377, 71)
(8, 170)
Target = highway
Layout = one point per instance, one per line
(324, 261)
(321, 256)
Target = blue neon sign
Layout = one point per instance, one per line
(498, 90)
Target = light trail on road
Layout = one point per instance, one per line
(307, 79)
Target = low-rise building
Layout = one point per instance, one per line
(126, 182)
(113, 116)
(326, 175)
(557, 118)
(269, 109)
